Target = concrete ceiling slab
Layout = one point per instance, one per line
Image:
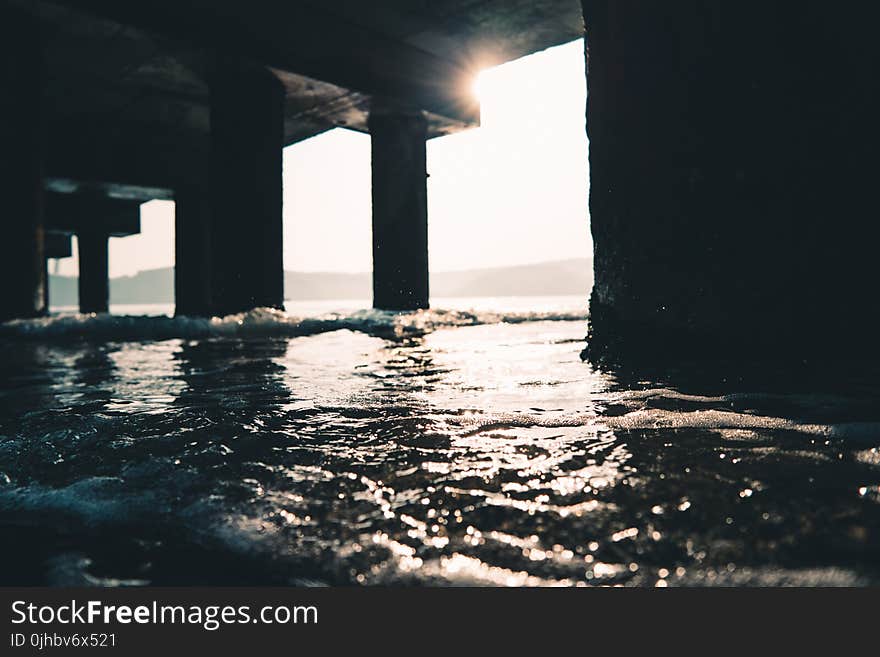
(126, 81)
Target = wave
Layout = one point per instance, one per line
(261, 322)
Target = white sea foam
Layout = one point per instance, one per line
(262, 322)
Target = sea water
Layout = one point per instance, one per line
(465, 445)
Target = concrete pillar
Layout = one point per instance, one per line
(247, 135)
(400, 208)
(94, 282)
(733, 159)
(22, 265)
(192, 253)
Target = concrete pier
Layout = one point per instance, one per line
(733, 175)
(732, 148)
(94, 218)
(192, 253)
(22, 263)
(400, 207)
(94, 283)
(139, 107)
(247, 129)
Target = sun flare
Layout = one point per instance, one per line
(478, 87)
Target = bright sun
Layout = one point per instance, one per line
(479, 86)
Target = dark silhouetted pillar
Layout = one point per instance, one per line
(247, 135)
(94, 283)
(192, 253)
(22, 265)
(46, 284)
(400, 208)
(734, 166)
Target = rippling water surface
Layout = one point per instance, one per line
(417, 452)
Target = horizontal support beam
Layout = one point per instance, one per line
(78, 213)
(121, 191)
(131, 161)
(57, 244)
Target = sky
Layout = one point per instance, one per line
(513, 191)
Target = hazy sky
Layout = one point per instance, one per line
(513, 191)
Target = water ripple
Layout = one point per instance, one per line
(484, 454)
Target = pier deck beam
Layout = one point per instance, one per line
(22, 265)
(400, 208)
(246, 189)
(192, 253)
(94, 282)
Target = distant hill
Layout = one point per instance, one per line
(543, 279)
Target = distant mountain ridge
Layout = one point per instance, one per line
(543, 279)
